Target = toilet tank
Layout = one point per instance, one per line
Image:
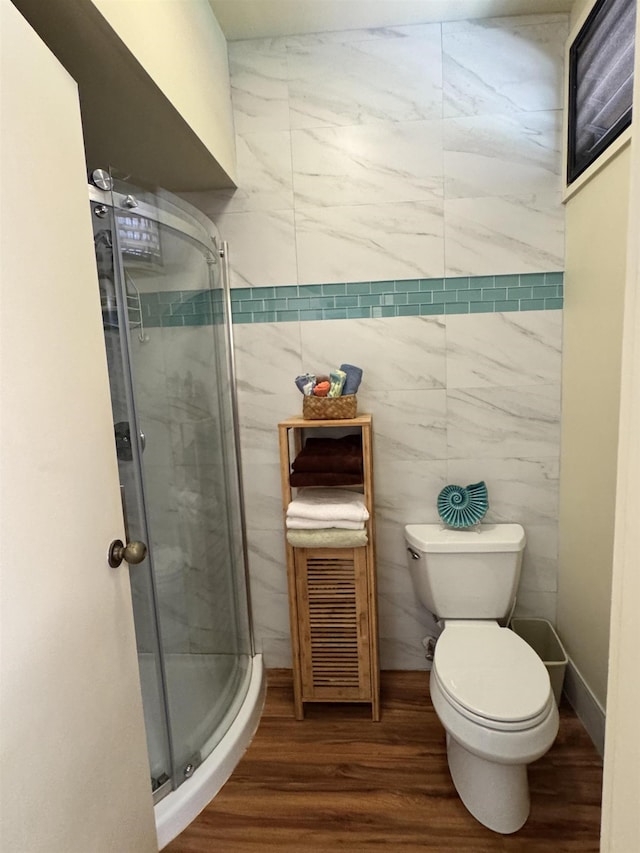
(465, 574)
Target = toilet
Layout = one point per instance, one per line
(490, 690)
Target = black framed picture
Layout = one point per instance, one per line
(600, 82)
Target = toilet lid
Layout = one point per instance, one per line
(491, 672)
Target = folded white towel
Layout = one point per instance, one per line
(327, 504)
(331, 538)
(295, 523)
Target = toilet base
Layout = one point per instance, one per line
(497, 795)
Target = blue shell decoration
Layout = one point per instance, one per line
(463, 507)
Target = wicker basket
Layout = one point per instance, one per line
(329, 408)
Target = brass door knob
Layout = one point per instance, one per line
(132, 553)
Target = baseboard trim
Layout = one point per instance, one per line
(589, 711)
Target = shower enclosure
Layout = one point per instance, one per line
(167, 334)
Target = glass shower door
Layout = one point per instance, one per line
(180, 386)
(115, 318)
(175, 437)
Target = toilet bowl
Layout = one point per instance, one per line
(493, 696)
(490, 690)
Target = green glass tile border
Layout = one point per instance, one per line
(402, 298)
(357, 300)
(185, 308)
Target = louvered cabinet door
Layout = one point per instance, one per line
(333, 621)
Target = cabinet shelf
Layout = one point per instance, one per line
(332, 592)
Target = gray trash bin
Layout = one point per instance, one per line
(540, 635)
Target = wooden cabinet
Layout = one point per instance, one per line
(332, 593)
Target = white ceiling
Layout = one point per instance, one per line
(247, 19)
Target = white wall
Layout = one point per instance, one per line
(73, 763)
(399, 154)
(177, 43)
(621, 786)
(621, 789)
(597, 222)
(250, 19)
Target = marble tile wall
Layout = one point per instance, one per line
(409, 152)
(454, 399)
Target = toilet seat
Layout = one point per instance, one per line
(491, 676)
(496, 725)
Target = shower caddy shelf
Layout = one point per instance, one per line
(332, 594)
(135, 315)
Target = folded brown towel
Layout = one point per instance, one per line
(337, 444)
(337, 455)
(327, 478)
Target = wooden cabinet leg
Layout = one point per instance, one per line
(298, 704)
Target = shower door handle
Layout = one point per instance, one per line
(132, 553)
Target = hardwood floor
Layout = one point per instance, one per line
(338, 781)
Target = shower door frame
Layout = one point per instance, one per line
(115, 200)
